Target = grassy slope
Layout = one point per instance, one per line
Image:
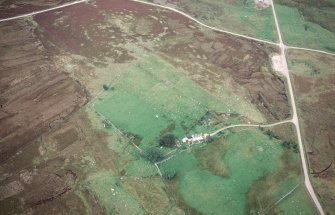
(152, 88)
(309, 64)
(296, 203)
(248, 156)
(112, 195)
(129, 188)
(299, 32)
(237, 16)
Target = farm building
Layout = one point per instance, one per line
(195, 138)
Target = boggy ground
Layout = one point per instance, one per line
(35, 95)
(313, 79)
(43, 176)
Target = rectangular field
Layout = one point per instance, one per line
(153, 98)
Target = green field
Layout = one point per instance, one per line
(153, 98)
(254, 167)
(297, 31)
(237, 16)
(141, 168)
(297, 203)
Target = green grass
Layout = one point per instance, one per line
(182, 164)
(268, 30)
(109, 190)
(246, 156)
(297, 203)
(134, 114)
(310, 64)
(153, 87)
(141, 168)
(209, 193)
(299, 32)
(237, 16)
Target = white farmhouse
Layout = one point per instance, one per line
(195, 138)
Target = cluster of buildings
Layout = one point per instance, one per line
(194, 139)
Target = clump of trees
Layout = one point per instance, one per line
(167, 140)
(221, 133)
(105, 87)
(135, 138)
(153, 154)
(315, 72)
(290, 145)
(169, 174)
(210, 139)
(271, 134)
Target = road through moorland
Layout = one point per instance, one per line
(175, 10)
(42, 11)
(228, 32)
(295, 119)
(203, 24)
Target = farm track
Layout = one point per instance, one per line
(281, 45)
(174, 152)
(250, 125)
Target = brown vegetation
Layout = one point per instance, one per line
(34, 95)
(10, 8)
(315, 100)
(210, 59)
